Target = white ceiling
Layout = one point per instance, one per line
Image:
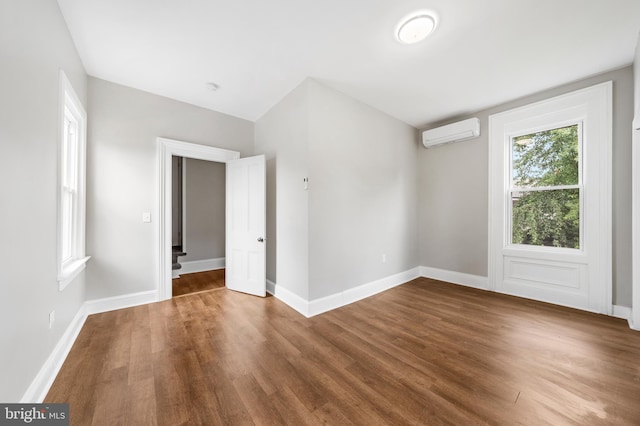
(483, 52)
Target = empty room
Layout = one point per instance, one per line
(320, 212)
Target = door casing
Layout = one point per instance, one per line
(166, 149)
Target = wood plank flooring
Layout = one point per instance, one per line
(424, 353)
(198, 281)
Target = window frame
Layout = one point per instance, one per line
(550, 125)
(71, 184)
(593, 264)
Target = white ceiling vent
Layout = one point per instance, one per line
(454, 132)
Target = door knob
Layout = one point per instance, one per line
(260, 240)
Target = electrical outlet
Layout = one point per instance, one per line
(52, 318)
(384, 258)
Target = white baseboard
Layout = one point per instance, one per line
(44, 379)
(334, 301)
(468, 280)
(107, 304)
(324, 304)
(194, 266)
(476, 281)
(40, 386)
(622, 312)
(288, 297)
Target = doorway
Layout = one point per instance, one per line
(245, 216)
(198, 225)
(167, 149)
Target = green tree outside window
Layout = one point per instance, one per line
(546, 194)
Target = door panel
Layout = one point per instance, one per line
(245, 229)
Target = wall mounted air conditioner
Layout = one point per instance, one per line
(454, 132)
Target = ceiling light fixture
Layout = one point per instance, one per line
(415, 28)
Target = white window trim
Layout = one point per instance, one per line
(524, 120)
(70, 269)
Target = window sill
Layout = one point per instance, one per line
(71, 271)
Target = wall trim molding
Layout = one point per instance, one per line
(41, 384)
(289, 298)
(482, 283)
(460, 278)
(98, 306)
(622, 312)
(337, 300)
(193, 266)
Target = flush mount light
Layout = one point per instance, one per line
(415, 28)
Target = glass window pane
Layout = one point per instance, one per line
(67, 225)
(548, 158)
(546, 218)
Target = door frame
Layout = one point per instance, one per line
(166, 149)
(634, 321)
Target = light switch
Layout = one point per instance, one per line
(146, 217)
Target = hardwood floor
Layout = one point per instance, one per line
(426, 353)
(198, 281)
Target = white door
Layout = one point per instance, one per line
(550, 200)
(245, 226)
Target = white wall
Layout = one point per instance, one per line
(362, 196)
(34, 46)
(205, 210)
(361, 200)
(282, 134)
(122, 177)
(453, 190)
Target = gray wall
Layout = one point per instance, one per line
(282, 134)
(361, 199)
(34, 46)
(205, 210)
(453, 195)
(122, 177)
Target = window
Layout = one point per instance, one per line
(546, 187)
(71, 199)
(550, 196)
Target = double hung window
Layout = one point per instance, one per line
(546, 187)
(71, 199)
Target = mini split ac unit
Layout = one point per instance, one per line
(454, 132)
